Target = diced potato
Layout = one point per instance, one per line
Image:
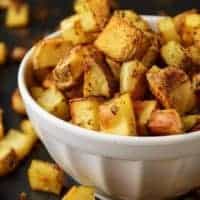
(80, 193)
(94, 14)
(46, 177)
(69, 70)
(8, 160)
(17, 15)
(165, 122)
(190, 121)
(193, 53)
(3, 53)
(143, 111)
(72, 31)
(167, 30)
(98, 80)
(85, 112)
(17, 103)
(174, 54)
(48, 52)
(36, 92)
(1, 125)
(121, 40)
(117, 116)
(133, 79)
(169, 86)
(115, 67)
(53, 101)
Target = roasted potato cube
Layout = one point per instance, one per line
(17, 103)
(72, 31)
(46, 177)
(190, 121)
(69, 70)
(85, 112)
(48, 52)
(143, 111)
(167, 29)
(165, 122)
(121, 40)
(36, 92)
(17, 15)
(193, 53)
(1, 124)
(133, 79)
(3, 53)
(53, 101)
(81, 192)
(94, 14)
(174, 54)
(8, 160)
(115, 68)
(117, 116)
(169, 86)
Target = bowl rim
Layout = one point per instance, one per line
(96, 135)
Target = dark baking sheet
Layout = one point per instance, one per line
(45, 17)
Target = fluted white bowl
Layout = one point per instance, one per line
(119, 167)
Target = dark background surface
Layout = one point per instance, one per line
(45, 17)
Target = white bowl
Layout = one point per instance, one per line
(117, 166)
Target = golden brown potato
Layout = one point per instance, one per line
(115, 68)
(53, 101)
(3, 53)
(72, 31)
(81, 192)
(69, 70)
(1, 124)
(117, 116)
(165, 122)
(46, 177)
(94, 14)
(190, 121)
(174, 54)
(121, 40)
(48, 52)
(36, 92)
(193, 53)
(8, 160)
(17, 103)
(143, 111)
(17, 15)
(169, 86)
(85, 112)
(167, 29)
(133, 79)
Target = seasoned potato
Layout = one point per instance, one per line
(115, 68)
(17, 15)
(169, 86)
(46, 177)
(98, 80)
(3, 53)
(190, 121)
(193, 53)
(167, 29)
(121, 40)
(81, 192)
(94, 14)
(36, 92)
(85, 112)
(17, 103)
(133, 79)
(48, 52)
(165, 122)
(1, 124)
(117, 116)
(143, 111)
(70, 69)
(8, 160)
(72, 31)
(53, 101)
(174, 54)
